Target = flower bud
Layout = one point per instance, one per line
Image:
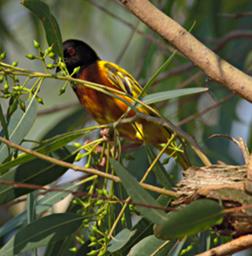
(2, 55)
(36, 44)
(50, 66)
(30, 56)
(14, 63)
(76, 70)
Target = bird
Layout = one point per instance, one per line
(106, 108)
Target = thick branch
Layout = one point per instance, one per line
(215, 67)
(235, 245)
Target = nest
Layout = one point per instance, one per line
(224, 183)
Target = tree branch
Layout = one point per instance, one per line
(236, 34)
(83, 169)
(236, 245)
(204, 111)
(215, 67)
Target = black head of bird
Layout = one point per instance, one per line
(78, 54)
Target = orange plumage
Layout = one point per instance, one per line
(106, 108)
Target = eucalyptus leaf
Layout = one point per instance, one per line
(38, 172)
(43, 204)
(120, 240)
(19, 125)
(47, 146)
(198, 216)
(42, 11)
(148, 246)
(3, 123)
(159, 170)
(70, 122)
(171, 94)
(39, 233)
(139, 195)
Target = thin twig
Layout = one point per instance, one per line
(236, 34)
(80, 194)
(149, 169)
(203, 112)
(126, 44)
(220, 44)
(174, 72)
(177, 130)
(83, 169)
(149, 37)
(235, 15)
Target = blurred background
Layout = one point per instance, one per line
(223, 25)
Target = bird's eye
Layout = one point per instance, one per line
(71, 51)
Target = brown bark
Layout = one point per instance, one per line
(235, 245)
(212, 65)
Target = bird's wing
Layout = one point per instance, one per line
(120, 78)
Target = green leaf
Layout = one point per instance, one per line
(159, 170)
(19, 125)
(139, 195)
(31, 204)
(3, 123)
(166, 95)
(42, 205)
(42, 11)
(178, 246)
(120, 240)
(38, 172)
(48, 146)
(70, 122)
(148, 246)
(189, 220)
(158, 71)
(61, 247)
(42, 231)
(143, 228)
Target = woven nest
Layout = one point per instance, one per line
(224, 183)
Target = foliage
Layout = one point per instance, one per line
(104, 216)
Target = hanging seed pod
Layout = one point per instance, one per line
(30, 56)
(75, 71)
(14, 63)
(36, 44)
(3, 55)
(62, 90)
(22, 105)
(6, 87)
(50, 66)
(51, 55)
(39, 100)
(13, 104)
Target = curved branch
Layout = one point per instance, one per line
(82, 169)
(236, 245)
(236, 34)
(215, 67)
